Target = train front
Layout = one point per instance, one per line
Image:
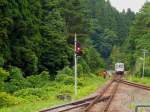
(119, 68)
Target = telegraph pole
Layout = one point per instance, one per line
(144, 54)
(75, 64)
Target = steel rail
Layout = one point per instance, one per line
(84, 104)
(68, 104)
(114, 91)
(136, 85)
(76, 105)
(99, 96)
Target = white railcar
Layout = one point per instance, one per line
(119, 68)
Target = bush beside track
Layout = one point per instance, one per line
(36, 98)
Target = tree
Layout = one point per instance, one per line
(3, 76)
(139, 35)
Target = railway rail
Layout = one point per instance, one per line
(103, 90)
(74, 105)
(136, 85)
(88, 102)
(106, 107)
(115, 80)
(103, 96)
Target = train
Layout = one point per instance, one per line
(119, 68)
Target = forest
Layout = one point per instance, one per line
(37, 45)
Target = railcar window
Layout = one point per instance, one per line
(121, 66)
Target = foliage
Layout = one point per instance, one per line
(109, 26)
(66, 70)
(29, 82)
(15, 73)
(1, 61)
(8, 100)
(35, 37)
(38, 80)
(31, 94)
(35, 99)
(139, 38)
(65, 78)
(93, 60)
(3, 76)
(36, 44)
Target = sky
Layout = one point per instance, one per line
(135, 5)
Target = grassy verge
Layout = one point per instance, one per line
(86, 86)
(144, 81)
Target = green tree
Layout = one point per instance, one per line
(3, 76)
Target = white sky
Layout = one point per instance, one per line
(135, 5)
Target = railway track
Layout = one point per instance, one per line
(105, 97)
(136, 85)
(74, 105)
(108, 103)
(115, 81)
(86, 103)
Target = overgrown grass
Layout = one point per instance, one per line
(145, 80)
(47, 96)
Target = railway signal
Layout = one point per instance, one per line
(78, 49)
(77, 52)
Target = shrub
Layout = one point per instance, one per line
(8, 100)
(66, 70)
(3, 76)
(65, 78)
(16, 73)
(2, 61)
(66, 89)
(85, 66)
(38, 80)
(15, 85)
(80, 69)
(81, 82)
(32, 94)
(33, 81)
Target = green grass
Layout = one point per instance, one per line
(144, 81)
(87, 85)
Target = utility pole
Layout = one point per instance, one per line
(144, 54)
(75, 64)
